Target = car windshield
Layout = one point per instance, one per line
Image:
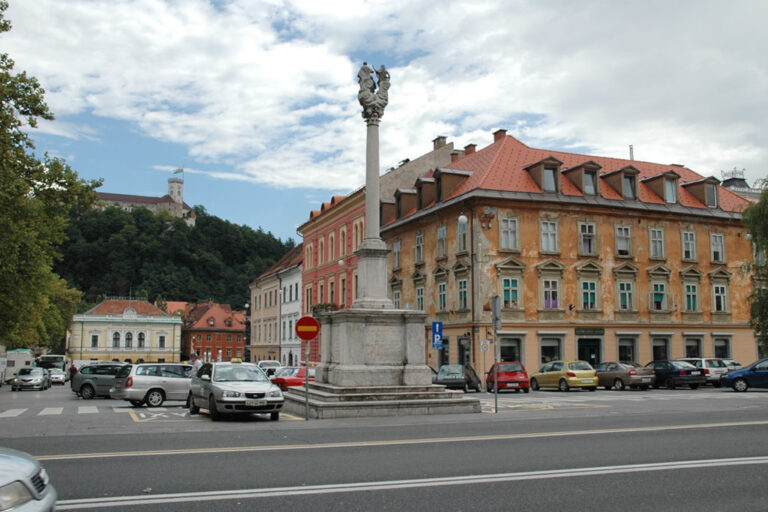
(682, 364)
(287, 372)
(633, 365)
(510, 367)
(30, 371)
(239, 373)
(579, 365)
(450, 370)
(269, 364)
(56, 370)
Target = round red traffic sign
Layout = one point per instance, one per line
(307, 328)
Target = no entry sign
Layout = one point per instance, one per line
(307, 328)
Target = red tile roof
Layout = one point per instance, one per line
(501, 166)
(118, 306)
(224, 319)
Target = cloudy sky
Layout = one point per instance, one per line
(257, 100)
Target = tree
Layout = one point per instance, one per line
(36, 199)
(755, 219)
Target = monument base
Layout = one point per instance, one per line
(328, 401)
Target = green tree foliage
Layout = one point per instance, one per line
(755, 219)
(114, 252)
(36, 199)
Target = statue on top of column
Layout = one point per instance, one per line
(373, 101)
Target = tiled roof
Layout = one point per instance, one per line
(118, 306)
(293, 257)
(173, 307)
(200, 316)
(127, 198)
(501, 166)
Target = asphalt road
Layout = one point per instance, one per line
(655, 450)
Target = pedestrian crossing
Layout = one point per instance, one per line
(81, 409)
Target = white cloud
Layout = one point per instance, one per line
(271, 85)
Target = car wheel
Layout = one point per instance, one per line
(212, 411)
(607, 388)
(563, 386)
(87, 392)
(274, 416)
(193, 408)
(534, 384)
(137, 403)
(479, 388)
(154, 398)
(525, 390)
(669, 384)
(694, 386)
(740, 385)
(618, 385)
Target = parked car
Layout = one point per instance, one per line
(269, 366)
(676, 373)
(152, 383)
(619, 375)
(732, 364)
(512, 376)
(713, 368)
(754, 375)
(458, 376)
(234, 388)
(94, 380)
(24, 483)
(30, 378)
(58, 376)
(288, 376)
(565, 375)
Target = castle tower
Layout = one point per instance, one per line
(176, 189)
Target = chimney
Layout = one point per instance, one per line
(469, 149)
(438, 142)
(631, 152)
(455, 155)
(499, 134)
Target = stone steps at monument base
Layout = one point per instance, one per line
(330, 394)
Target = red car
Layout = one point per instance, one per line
(512, 375)
(292, 376)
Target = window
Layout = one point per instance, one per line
(587, 239)
(308, 299)
(396, 298)
(550, 294)
(161, 341)
(629, 187)
(549, 183)
(128, 340)
(657, 243)
(509, 232)
(342, 242)
(116, 340)
(331, 292)
(689, 245)
(441, 241)
(626, 302)
(510, 290)
(550, 349)
(670, 190)
(419, 248)
(396, 254)
(208, 338)
(623, 241)
(321, 293)
(720, 296)
(229, 353)
(141, 340)
(331, 247)
(548, 236)
(692, 347)
(420, 298)
(722, 347)
(442, 297)
(711, 195)
(659, 297)
(627, 349)
(691, 297)
(94, 340)
(717, 246)
(463, 303)
(343, 294)
(290, 333)
(588, 295)
(590, 178)
(282, 331)
(461, 237)
(321, 251)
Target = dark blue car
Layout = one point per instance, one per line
(671, 374)
(754, 375)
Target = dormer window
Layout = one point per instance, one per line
(549, 182)
(711, 195)
(546, 174)
(590, 178)
(705, 190)
(629, 187)
(670, 190)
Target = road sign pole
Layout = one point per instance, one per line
(307, 329)
(306, 381)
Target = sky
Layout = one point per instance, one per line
(257, 99)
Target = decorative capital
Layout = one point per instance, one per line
(372, 100)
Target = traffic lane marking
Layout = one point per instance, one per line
(403, 442)
(12, 413)
(170, 416)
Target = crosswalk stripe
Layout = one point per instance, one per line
(87, 409)
(51, 411)
(11, 413)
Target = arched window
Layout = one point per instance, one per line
(128, 340)
(116, 340)
(141, 340)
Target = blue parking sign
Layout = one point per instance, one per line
(437, 335)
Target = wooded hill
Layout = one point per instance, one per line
(118, 253)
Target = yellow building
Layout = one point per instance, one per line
(125, 329)
(593, 258)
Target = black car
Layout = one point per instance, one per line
(676, 373)
(457, 376)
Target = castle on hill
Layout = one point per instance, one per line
(172, 202)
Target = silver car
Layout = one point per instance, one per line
(234, 388)
(713, 367)
(152, 383)
(24, 483)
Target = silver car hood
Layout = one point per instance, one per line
(15, 465)
(243, 386)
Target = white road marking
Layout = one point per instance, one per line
(87, 409)
(239, 494)
(51, 411)
(12, 413)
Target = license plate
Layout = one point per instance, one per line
(512, 384)
(695, 373)
(255, 403)
(586, 381)
(646, 379)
